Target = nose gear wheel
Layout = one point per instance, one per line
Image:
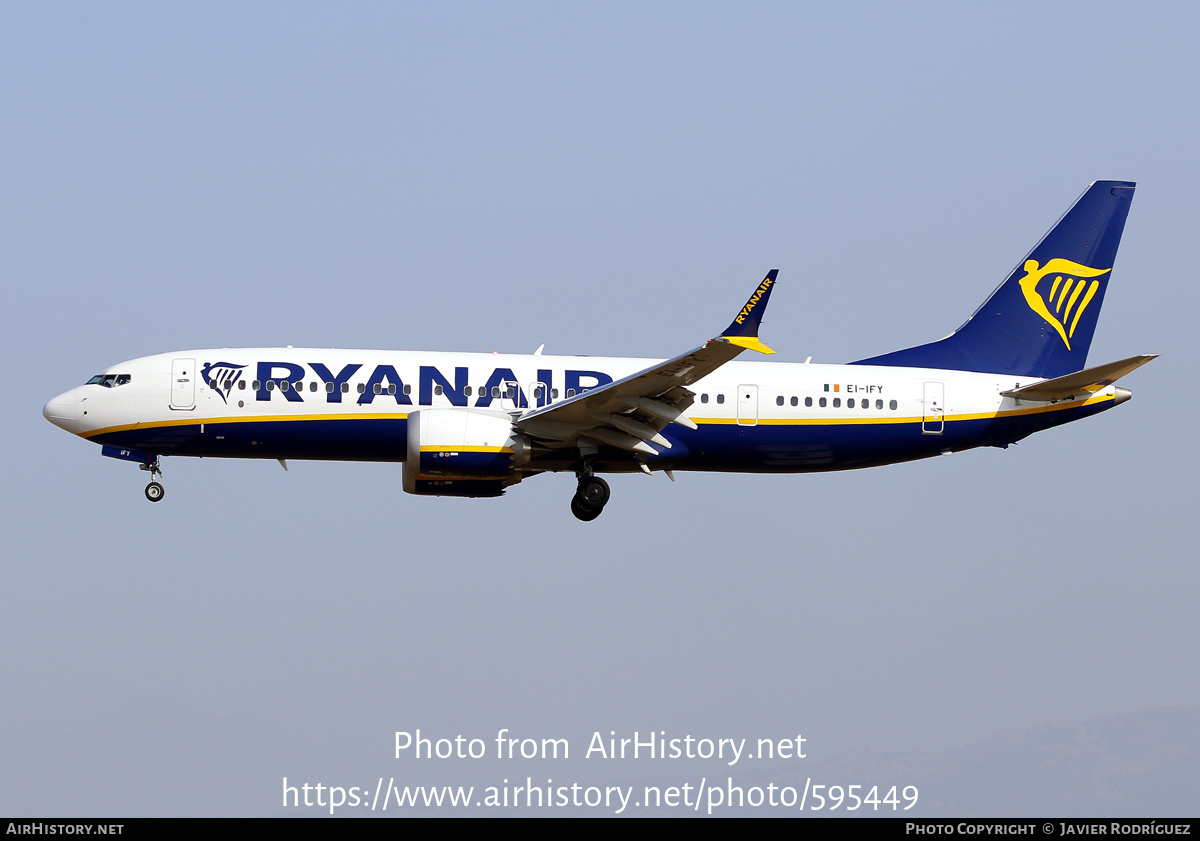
(154, 491)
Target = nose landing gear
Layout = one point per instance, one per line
(154, 490)
(590, 498)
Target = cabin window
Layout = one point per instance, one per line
(554, 394)
(467, 391)
(837, 402)
(437, 389)
(362, 387)
(703, 398)
(242, 385)
(779, 400)
(892, 404)
(391, 388)
(850, 403)
(346, 387)
(720, 398)
(822, 402)
(257, 385)
(284, 385)
(570, 392)
(329, 388)
(808, 402)
(878, 404)
(408, 389)
(378, 389)
(270, 385)
(796, 401)
(495, 391)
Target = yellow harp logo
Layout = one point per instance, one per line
(1068, 296)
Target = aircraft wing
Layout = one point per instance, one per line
(630, 413)
(1087, 380)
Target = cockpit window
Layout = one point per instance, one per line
(109, 380)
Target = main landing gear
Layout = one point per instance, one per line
(590, 498)
(154, 491)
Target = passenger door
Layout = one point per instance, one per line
(933, 415)
(747, 405)
(183, 384)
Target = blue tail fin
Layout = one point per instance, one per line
(1040, 322)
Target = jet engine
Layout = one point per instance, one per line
(462, 452)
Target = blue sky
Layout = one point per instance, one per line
(607, 179)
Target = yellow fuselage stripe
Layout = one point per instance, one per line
(456, 449)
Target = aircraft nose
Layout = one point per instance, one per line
(61, 411)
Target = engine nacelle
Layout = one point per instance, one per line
(462, 452)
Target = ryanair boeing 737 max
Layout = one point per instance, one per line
(472, 424)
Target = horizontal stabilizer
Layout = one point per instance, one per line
(1088, 380)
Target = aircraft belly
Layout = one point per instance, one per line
(377, 439)
(807, 447)
(804, 448)
(167, 440)
(1014, 427)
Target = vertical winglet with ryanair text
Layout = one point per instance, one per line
(743, 330)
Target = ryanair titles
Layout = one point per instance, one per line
(297, 383)
(754, 299)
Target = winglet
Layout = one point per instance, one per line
(743, 330)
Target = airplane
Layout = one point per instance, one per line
(474, 424)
